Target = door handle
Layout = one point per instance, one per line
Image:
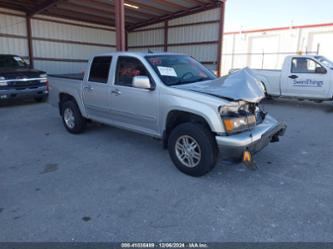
(116, 92)
(293, 77)
(88, 88)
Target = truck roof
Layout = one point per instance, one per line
(141, 54)
(302, 56)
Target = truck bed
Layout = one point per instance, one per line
(267, 70)
(65, 84)
(271, 80)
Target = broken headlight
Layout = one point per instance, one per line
(238, 117)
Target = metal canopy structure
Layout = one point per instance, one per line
(124, 15)
(138, 13)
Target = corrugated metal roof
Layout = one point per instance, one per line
(138, 13)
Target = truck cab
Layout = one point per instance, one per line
(302, 76)
(307, 76)
(107, 90)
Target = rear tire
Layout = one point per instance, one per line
(192, 148)
(72, 118)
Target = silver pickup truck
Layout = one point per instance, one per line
(174, 98)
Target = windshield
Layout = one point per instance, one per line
(179, 69)
(325, 61)
(12, 61)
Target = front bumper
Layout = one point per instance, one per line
(233, 146)
(24, 93)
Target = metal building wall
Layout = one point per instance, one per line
(196, 35)
(60, 45)
(13, 33)
(268, 48)
(149, 37)
(65, 47)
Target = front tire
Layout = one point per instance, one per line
(72, 118)
(192, 149)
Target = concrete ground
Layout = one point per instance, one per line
(112, 185)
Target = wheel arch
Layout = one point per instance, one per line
(176, 117)
(63, 97)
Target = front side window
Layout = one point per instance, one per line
(304, 65)
(179, 69)
(127, 69)
(100, 68)
(10, 61)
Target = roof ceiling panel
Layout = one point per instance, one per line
(138, 13)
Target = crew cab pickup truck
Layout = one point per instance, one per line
(302, 77)
(18, 80)
(171, 97)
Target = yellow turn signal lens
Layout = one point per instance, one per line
(229, 125)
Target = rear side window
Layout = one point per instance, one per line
(100, 69)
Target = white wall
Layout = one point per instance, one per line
(242, 49)
(180, 37)
(60, 45)
(63, 46)
(153, 38)
(13, 34)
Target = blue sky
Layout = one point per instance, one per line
(252, 14)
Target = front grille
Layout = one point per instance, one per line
(22, 85)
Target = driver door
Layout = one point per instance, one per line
(307, 78)
(133, 107)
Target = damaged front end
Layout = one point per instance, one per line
(248, 128)
(241, 116)
(240, 120)
(243, 145)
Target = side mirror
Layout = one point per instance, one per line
(321, 70)
(142, 82)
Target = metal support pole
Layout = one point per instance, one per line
(263, 59)
(318, 48)
(29, 38)
(233, 50)
(166, 35)
(120, 25)
(220, 40)
(126, 40)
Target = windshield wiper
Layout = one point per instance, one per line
(181, 82)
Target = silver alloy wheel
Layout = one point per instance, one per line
(188, 151)
(69, 118)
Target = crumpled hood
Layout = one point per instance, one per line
(241, 85)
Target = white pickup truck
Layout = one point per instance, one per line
(302, 77)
